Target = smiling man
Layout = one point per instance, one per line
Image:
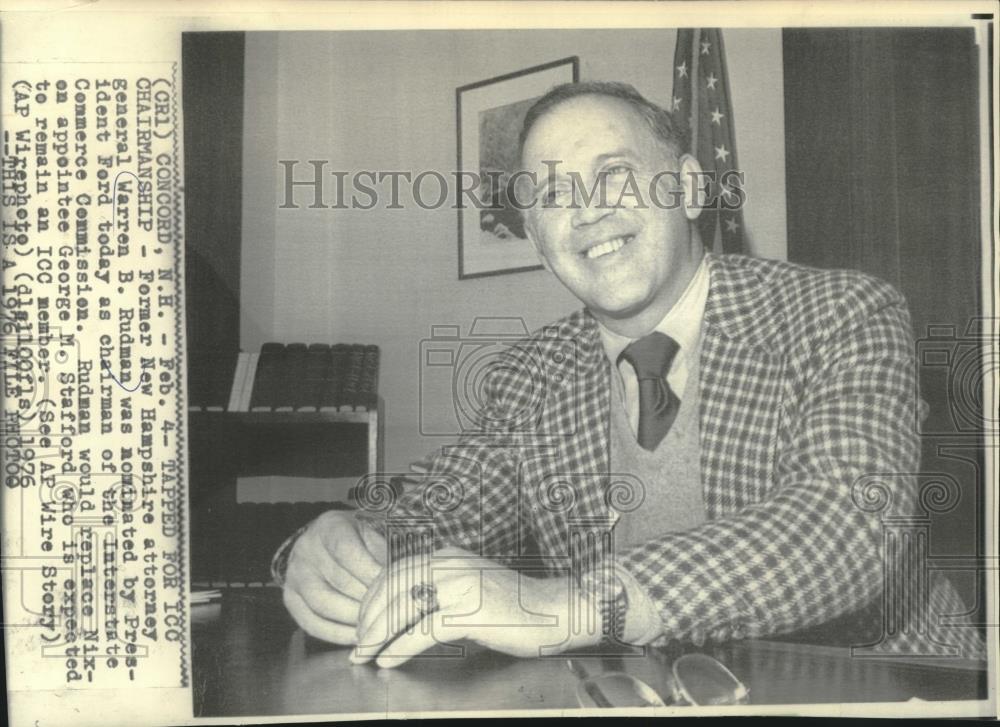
(628, 264)
(740, 402)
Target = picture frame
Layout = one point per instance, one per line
(489, 113)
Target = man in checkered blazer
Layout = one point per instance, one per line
(801, 436)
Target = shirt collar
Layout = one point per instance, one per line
(682, 322)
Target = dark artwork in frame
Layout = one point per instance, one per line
(491, 240)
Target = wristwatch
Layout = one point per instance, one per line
(608, 591)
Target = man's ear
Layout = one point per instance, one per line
(695, 183)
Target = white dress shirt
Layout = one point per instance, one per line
(683, 324)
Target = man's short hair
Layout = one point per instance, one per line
(659, 120)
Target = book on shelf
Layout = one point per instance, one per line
(368, 386)
(333, 379)
(265, 391)
(298, 377)
(249, 381)
(290, 390)
(317, 363)
(352, 379)
(239, 381)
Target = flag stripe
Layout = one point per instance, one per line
(706, 108)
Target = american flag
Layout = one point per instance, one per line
(705, 107)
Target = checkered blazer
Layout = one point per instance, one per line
(807, 385)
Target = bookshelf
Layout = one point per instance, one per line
(286, 439)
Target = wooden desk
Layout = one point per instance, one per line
(250, 659)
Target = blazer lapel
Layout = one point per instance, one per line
(741, 384)
(741, 388)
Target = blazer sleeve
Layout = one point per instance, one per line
(812, 550)
(468, 497)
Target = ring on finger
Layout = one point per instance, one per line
(425, 597)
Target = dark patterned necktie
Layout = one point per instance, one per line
(651, 357)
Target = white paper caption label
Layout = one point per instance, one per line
(93, 566)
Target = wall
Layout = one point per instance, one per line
(756, 78)
(386, 100)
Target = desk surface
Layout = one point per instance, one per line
(250, 659)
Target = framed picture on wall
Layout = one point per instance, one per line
(491, 240)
